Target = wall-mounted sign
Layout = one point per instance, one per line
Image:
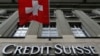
(58, 49)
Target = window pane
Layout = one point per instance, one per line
(50, 31)
(24, 32)
(21, 32)
(20, 28)
(22, 35)
(82, 35)
(54, 35)
(16, 35)
(78, 31)
(45, 35)
(18, 32)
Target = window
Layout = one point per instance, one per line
(49, 30)
(89, 12)
(99, 23)
(4, 14)
(2, 11)
(69, 15)
(52, 14)
(21, 31)
(78, 30)
(92, 15)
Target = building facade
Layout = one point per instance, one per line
(72, 23)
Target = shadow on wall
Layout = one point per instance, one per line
(69, 1)
(8, 1)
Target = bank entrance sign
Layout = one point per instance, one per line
(57, 49)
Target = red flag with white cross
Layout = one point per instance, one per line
(37, 10)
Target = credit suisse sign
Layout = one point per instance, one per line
(57, 49)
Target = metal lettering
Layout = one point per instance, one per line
(42, 48)
(18, 50)
(48, 50)
(13, 50)
(26, 50)
(73, 48)
(68, 51)
(86, 49)
(79, 50)
(4, 51)
(58, 49)
(35, 50)
(92, 49)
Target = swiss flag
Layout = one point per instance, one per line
(37, 10)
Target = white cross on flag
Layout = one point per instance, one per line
(37, 10)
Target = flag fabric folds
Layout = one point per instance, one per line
(37, 10)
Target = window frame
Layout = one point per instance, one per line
(58, 37)
(21, 31)
(14, 30)
(26, 25)
(78, 24)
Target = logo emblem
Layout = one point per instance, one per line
(34, 9)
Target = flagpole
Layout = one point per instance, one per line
(49, 10)
(49, 17)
